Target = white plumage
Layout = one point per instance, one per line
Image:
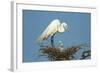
(61, 46)
(54, 27)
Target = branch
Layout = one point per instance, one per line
(86, 54)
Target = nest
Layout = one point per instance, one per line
(55, 54)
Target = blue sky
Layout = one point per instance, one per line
(34, 23)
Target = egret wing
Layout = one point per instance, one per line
(50, 30)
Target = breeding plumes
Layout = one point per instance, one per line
(54, 27)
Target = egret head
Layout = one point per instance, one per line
(63, 27)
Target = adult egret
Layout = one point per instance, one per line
(54, 27)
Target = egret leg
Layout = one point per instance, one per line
(52, 41)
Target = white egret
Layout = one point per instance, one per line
(54, 27)
(61, 46)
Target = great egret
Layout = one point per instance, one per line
(54, 27)
(61, 46)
